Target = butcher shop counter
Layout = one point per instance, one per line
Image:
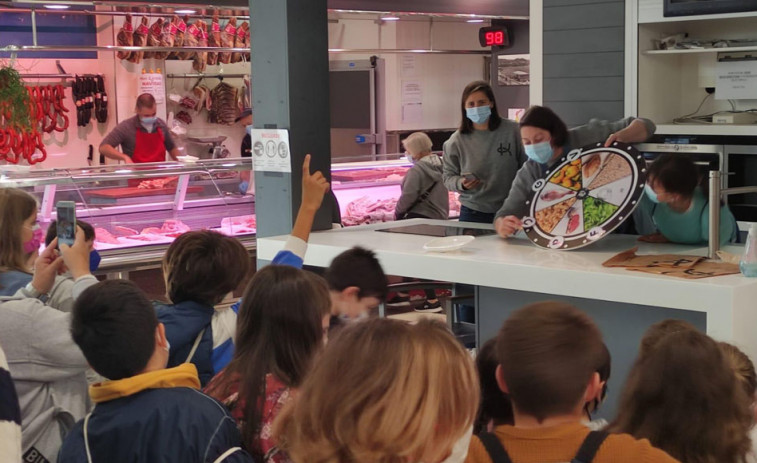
(508, 274)
(137, 210)
(368, 189)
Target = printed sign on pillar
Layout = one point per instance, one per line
(270, 150)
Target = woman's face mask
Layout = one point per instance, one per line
(540, 152)
(478, 114)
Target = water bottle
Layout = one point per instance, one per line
(748, 262)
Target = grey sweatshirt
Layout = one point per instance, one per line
(47, 367)
(494, 157)
(595, 131)
(421, 177)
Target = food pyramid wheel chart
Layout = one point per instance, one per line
(585, 196)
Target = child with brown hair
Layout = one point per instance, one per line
(282, 325)
(684, 397)
(200, 268)
(747, 377)
(383, 391)
(549, 353)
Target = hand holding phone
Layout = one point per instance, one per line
(66, 222)
(470, 181)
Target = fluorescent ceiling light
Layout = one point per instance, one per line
(390, 18)
(475, 20)
(185, 11)
(57, 7)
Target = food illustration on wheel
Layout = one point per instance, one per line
(585, 196)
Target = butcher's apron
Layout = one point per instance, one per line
(150, 147)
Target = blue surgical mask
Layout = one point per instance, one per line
(479, 114)
(409, 158)
(651, 194)
(148, 120)
(94, 260)
(540, 152)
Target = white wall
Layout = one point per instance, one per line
(442, 77)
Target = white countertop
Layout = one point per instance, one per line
(516, 264)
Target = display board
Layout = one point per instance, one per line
(585, 196)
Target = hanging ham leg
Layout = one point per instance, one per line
(140, 40)
(153, 38)
(125, 38)
(201, 58)
(214, 40)
(228, 35)
(239, 42)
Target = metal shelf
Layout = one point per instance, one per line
(676, 51)
(26, 48)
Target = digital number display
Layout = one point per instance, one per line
(493, 37)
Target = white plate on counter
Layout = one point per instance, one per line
(448, 243)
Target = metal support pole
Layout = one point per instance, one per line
(34, 27)
(181, 192)
(714, 218)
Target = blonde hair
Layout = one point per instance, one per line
(383, 392)
(16, 206)
(417, 143)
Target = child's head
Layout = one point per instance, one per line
(116, 328)
(281, 326)
(403, 393)
(549, 353)
(672, 178)
(604, 369)
(89, 232)
(742, 366)
(495, 406)
(357, 282)
(659, 331)
(18, 219)
(684, 397)
(204, 266)
(744, 369)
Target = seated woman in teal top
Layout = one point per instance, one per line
(676, 205)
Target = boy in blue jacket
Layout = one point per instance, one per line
(200, 268)
(146, 412)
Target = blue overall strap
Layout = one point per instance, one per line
(590, 447)
(494, 448)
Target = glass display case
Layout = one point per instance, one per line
(137, 210)
(368, 191)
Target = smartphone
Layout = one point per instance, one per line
(66, 226)
(469, 177)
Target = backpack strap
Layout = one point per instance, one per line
(194, 346)
(590, 447)
(494, 448)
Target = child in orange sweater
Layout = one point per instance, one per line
(548, 353)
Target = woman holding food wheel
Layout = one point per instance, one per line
(675, 207)
(483, 156)
(546, 139)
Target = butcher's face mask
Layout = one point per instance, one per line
(147, 117)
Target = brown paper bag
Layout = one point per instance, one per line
(629, 259)
(700, 270)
